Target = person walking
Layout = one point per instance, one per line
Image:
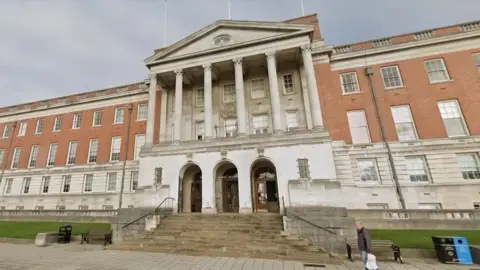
(364, 242)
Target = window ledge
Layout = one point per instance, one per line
(349, 94)
(142, 120)
(395, 88)
(439, 82)
(117, 123)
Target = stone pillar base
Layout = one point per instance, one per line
(245, 211)
(209, 211)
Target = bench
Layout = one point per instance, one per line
(104, 235)
(378, 246)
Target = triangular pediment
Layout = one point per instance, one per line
(224, 34)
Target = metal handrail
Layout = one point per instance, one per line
(156, 210)
(305, 220)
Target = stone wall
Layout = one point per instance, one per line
(326, 227)
(90, 216)
(418, 219)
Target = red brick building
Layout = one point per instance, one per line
(69, 152)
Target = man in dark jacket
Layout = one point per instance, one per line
(364, 242)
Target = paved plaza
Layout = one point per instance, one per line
(86, 257)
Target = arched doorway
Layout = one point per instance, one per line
(226, 188)
(190, 189)
(264, 187)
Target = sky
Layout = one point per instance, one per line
(53, 48)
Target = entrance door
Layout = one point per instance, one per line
(196, 196)
(230, 196)
(261, 196)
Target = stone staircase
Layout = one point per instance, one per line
(227, 235)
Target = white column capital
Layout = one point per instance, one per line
(307, 48)
(152, 76)
(178, 72)
(271, 54)
(207, 66)
(237, 61)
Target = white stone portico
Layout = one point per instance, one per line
(240, 119)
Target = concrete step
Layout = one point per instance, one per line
(305, 257)
(226, 242)
(230, 237)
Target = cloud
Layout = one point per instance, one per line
(53, 48)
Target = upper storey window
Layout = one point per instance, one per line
(391, 77)
(349, 83)
(476, 57)
(437, 70)
(222, 40)
(229, 93)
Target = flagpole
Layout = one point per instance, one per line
(303, 9)
(165, 26)
(229, 13)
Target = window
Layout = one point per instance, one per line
(260, 123)
(230, 127)
(39, 208)
(107, 207)
(134, 180)
(142, 112)
(469, 165)
(257, 88)
(288, 84)
(437, 71)
(417, 169)
(16, 157)
(377, 205)
(199, 97)
(111, 181)
(229, 93)
(61, 207)
(349, 83)
(391, 77)
(139, 142)
(26, 184)
(2, 155)
(199, 130)
(52, 153)
(57, 125)
(8, 185)
(19, 207)
(66, 181)
(97, 119)
(476, 205)
(358, 127)
(291, 119)
(303, 168)
(158, 172)
(118, 115)
(368, 170)
(452, 118)
(476, 58)
(432, 206)
(88, 182)
(93, 151)
(45, 184)
(77, 121)
(32, 162)
(402, 116)
(72, 153)
(40, 126)
(115, 149)
(23, 129)
(83, 207)
(6, 131)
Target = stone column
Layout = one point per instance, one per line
(163, 116)
(207, 95)
(274, 93)
(244, 188)
(240, 97)
(152, 97)
(177, 135)
(317, 121)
